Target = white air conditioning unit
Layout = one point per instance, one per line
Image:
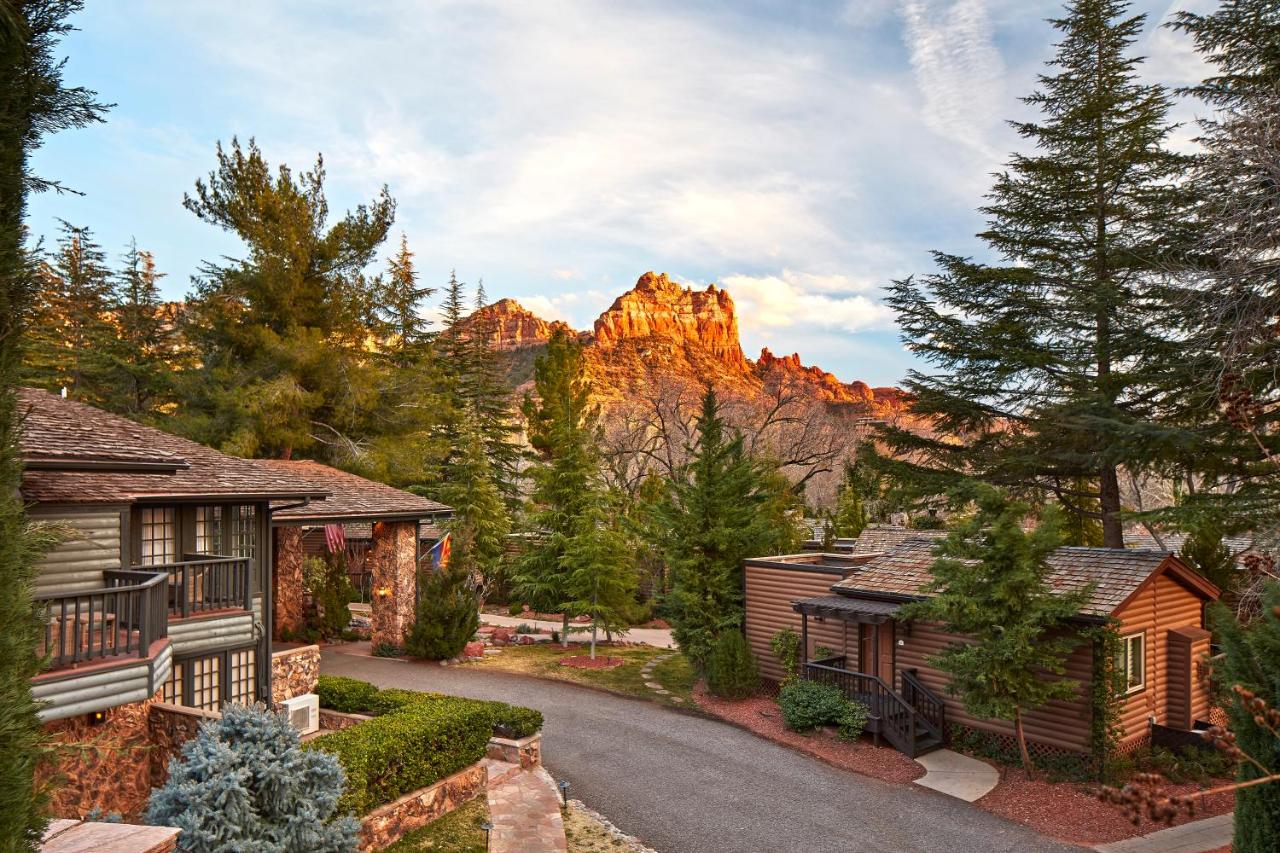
(304, 712)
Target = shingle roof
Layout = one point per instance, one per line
(350, 496)
(878, 538)
(1173, 541)
(66, 439)
(1117, 573)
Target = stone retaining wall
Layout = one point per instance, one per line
(294, 672)
(386, 824)
(527, 751)
(170, 727)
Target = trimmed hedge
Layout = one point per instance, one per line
(415, 739)
(353, 696)
(407, 749)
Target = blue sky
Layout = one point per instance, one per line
(802, 154)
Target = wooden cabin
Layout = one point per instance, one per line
(845, 608)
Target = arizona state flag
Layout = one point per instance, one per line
(440, 552)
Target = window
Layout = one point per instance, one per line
(159, 536)
(208, 530)
(243, 533)
(242, 680)
(211, 681)
(1131, 662)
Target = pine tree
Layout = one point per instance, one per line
(34, 102)
(481, 523)
(1046, 367)
(400, 309)
(1204, 551)
(72, 333)
(145, 352)
(1251, 659)
(564, 470)
(722, 508)
(491, 395)
(447, 613)
(851, 510)
(282, 334)
(600, 577)
(244, 782)
(989, 585)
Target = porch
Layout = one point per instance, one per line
(911, 718)
(132, 608)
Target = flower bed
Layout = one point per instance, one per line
(588, 662)
(761, 715)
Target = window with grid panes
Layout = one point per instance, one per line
(209, 530)
(242, 681)
(1131, 661)
(243, 533)
(159, 541)
(173, 687)
(206, 683)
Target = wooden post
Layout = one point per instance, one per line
(804, 643)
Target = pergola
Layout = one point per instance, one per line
(396, 517)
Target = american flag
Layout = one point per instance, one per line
(335, 538)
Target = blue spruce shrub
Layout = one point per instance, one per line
(244, 783)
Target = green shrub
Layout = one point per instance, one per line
(808, 704)
(331, 591)
(348, 695)
(246, 783)
(413, 747)
(447, 615)
(786, 648)
(514, 721)
(852, 720)
(731, 668)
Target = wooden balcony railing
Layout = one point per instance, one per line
(891, 715)
(202, 584)
(123, 617)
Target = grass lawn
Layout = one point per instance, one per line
(543, 661)
(584, 835)
(457, 832)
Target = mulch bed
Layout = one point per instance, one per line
(761, 716)
(1068, 811)
(585, 662)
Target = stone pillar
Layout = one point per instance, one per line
(287, 607)
(393, 560)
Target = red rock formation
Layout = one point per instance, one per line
(828, 387)
(509, 325)
(699, 320)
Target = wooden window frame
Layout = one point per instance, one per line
(171, 521)
(185, 693)
(1126, 642)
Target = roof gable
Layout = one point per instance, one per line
(350, 496)
(1116, 573)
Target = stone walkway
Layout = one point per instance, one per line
(957, 775)
(1195, 837)
(647, 674)
(524, 809)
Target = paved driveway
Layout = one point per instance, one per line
(685, 784)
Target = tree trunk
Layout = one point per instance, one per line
(1022, 743)
(564, 630)
(593, 639)
(1109, 503)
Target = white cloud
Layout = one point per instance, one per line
(792, 299)
(958, 69)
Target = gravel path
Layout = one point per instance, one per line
(686, 784)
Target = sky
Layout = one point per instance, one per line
(803, 154)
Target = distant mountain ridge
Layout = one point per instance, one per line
(659, 331)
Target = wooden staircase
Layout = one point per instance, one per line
(912, 721)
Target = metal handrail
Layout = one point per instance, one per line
(932, 710)
(897, 718)
(124, 616)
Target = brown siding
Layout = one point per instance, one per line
(1164, 604)
(1061, 724)
(770, 593)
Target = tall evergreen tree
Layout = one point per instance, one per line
(146, 351)
(282, 334)
(1251, 659)
(72, 333)
(400, 309)
(1204, 551)
(722, 508)
(600, 575)
(34, 102)
(492, 402)
(564, 471)
(989, 585)
(1046, 363)
(481, 522)
(850, 515)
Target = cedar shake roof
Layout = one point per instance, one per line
(79, 454)
(878, 538)
(1117, 572)
(1173, 541)
(351, 497)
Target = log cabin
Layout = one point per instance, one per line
(845, 606)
